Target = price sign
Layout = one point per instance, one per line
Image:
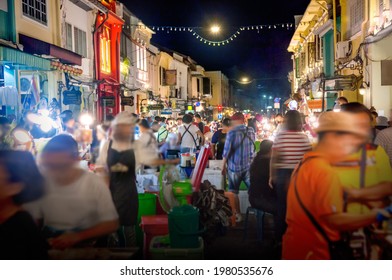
(72, 97)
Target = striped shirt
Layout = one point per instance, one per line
(238, 152)
(290, 147)
(384, 139)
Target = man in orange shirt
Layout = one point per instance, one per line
(315, 187)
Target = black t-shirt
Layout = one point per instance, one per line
(261, 196)
(219, 138)
(20, 239)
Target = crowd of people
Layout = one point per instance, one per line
(322, 177)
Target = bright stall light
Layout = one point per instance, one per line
(22, 136)
(86, 120)
(46, 127)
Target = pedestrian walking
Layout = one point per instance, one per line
(288, 150)
(238, 154)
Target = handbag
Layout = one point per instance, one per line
(338, 250)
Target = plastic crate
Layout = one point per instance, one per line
(153, 226)
(160, 250)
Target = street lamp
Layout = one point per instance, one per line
(215, 29)
(245, 79)
(264, 96)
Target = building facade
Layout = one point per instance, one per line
(38, 73)
(135, 62)
(220, 92)
(367, 30)
(106, 38)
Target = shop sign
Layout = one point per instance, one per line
(108, 101)
(155, 107)
(127, 101)
(72, 97)
(315, 104)
(277, 105)
(176, 110)
(166, 112)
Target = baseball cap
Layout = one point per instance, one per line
(340, 122)
(259, 118)
(238, 117)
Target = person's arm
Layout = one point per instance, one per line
(226, 151)
(373, 193)
(350, 222)
(201, 135)
(101, 166)
(68, 240)
(179, 139)
(213, 152)
(273, 161)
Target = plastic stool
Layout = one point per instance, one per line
(260, 222)
(231, 198)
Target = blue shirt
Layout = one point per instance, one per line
(238, 152)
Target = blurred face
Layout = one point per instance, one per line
(123, 132)
(58, 167)
(343, 144)
(363, 123)
(279, 119)
(179, 122)
(70, 123)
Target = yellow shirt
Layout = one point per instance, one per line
(378, 170)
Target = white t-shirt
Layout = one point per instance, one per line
(146, 150)
(144, 154)
(79, 206)
(187, 139)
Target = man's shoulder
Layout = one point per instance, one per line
(387, 132)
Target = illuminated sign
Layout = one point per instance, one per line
(105, 50)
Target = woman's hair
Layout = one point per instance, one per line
(293, 120)
(21, 168)
(265, 148)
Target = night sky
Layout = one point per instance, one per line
(262, 56)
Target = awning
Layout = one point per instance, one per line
(17, 57)
(35, 46)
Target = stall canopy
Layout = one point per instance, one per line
(16, 57)
(35, 46)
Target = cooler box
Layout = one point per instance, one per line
(160, 250)
(153, 226)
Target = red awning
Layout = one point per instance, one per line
(35, 46)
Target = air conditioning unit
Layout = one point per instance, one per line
(343, 49)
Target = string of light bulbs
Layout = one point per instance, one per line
(196, 31)
(228, 40)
